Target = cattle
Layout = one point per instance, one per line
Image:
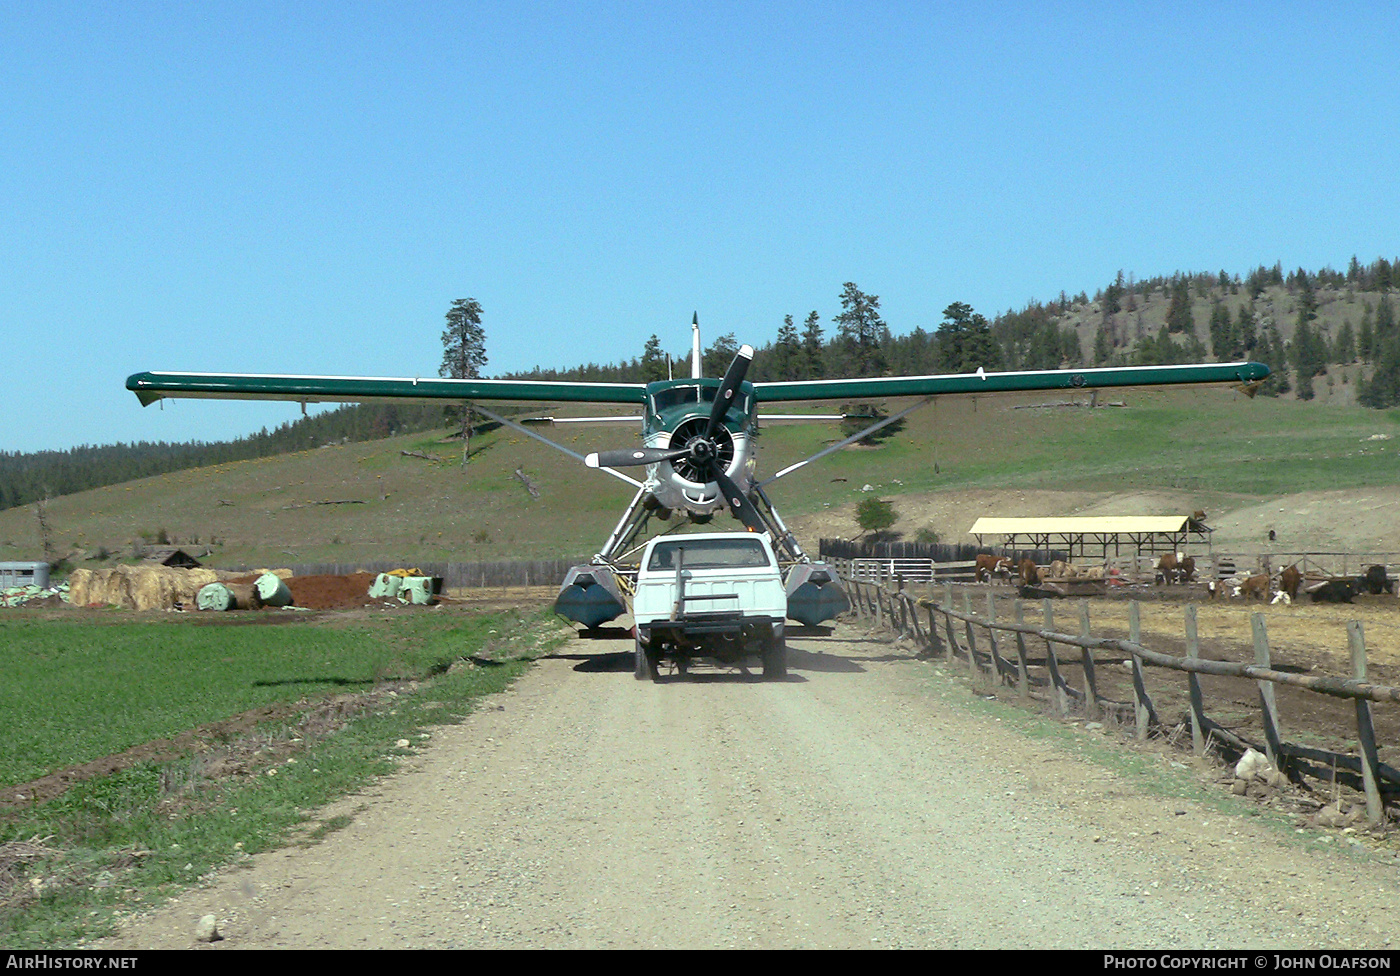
(1334, 591)
(1256, 588)
(1186, 568)
(1057, 569)
(1375, 580)
(1166, 568)
(1289, 582)
(1220, 589)
(1030, 573)
(989, 566)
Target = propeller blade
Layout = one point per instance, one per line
(631, 456)
(724, 396)
(739, 504)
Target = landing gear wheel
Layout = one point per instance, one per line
(775, 659)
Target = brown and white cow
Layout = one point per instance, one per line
(1289, 582)
(1166, 569)
(1255, 588)
(1186, 569)
(989, 567)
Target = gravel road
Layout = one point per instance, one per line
(868, 801)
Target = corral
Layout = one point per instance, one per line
(1290, 683)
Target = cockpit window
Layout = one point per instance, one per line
(663, 400)
(710, 554)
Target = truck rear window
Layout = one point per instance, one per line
(710, 554)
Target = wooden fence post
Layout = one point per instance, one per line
(992, 637)
(1057, 683)
(1022, 678)
(1091, 687)
(972, 668)
(1143, 711)
(933, 639)
(1193, 684)
(1273, 744)
(1365, 731)
(903, 607)
(952, 646)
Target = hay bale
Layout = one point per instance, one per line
(228, 596)
(149, 588)
(386, 585)
(116, 589)
(79, 584)
(417, 590)
(245, 595)
(272, 591)
(191, 581)
(214, 596)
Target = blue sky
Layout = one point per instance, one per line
(306, 187)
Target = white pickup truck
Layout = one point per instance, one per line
(717, 595)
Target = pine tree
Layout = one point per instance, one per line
(653, 365)
(965, 341)
(863, 334)
(1179, 311)
(1366, 337)
(813, 347)
(1222, 340)
(463, 355)
(1344, 351)
(783, 360)
(1246, 330)
(717, 358)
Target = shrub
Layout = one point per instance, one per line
(875, 515)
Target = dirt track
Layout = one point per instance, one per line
(867, 801)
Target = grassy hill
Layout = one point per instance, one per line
(1220, 447)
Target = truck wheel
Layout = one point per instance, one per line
(641, 669)
(775, 659)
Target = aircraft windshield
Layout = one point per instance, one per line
(710, 554)
(663, 399)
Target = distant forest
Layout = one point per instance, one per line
(26, 478)
(1299, 322)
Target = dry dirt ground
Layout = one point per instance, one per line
(1355, 520)
(870, 800)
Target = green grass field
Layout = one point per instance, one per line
(79, 691)
(76, 690)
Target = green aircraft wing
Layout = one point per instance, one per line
(152, 386)
(1012, 382)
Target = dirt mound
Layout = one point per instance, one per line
(330, 592)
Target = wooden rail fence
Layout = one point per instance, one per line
(999, 648)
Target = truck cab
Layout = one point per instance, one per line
(709, 595)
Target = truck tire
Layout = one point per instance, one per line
(775, 659)
(646, 664)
